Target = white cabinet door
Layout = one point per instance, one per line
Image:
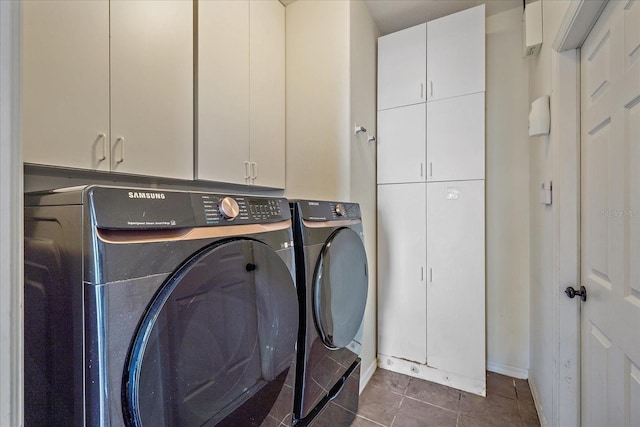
(266, 86)
(402, 61)
(455, 138)
(402, 144)
(241, 92)
(223, 91)
(456, 54)
(152, 87)
(456, 277)
(402, 318)
(66, 83)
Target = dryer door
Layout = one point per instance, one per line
(340, 287)
(217, 343)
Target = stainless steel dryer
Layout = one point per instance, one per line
(332, 279)
(158, 308)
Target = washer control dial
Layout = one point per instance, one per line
(229, 208)
(341, 210)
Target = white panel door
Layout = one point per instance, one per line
(610, 241)
(402, 317)
(455, 138)
(456, 54)
(456, 278)
(402, 67)
(402, 144)
(65, 83)
(266, 86)
(223, 91)
(152, 87)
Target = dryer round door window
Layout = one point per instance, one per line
(340, 288)
(217, 341)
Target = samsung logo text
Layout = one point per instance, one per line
(140, 195)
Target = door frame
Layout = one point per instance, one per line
(565, 142)
(11, 223)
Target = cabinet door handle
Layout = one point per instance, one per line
(254, 170)
(120, 140)
(430, 275)
(422, 274)
(103, 137)
(431, 88)
(421, 90)
(421, 169)
(431, 169)
(247, 173)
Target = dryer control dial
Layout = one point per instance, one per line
(341, 210)
(229, 208)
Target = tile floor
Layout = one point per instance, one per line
(395, 400)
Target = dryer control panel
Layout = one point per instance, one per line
(312, 210)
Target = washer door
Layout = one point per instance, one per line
(216, 344)
(340, 286)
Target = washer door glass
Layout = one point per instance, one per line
(340, 287)
(217, 342)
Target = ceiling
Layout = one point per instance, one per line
(395, 15)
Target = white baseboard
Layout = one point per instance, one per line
(511, 371)
(367, 373)
(536, 399)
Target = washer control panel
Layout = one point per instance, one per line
(212, 209)
(125, 208)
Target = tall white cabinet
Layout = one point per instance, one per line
(431, 169)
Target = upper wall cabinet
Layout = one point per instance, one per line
(223, 91)
(66, 83)
(241, 92)
(267, 93)
(456, 54)
(152, 87)
(402, 61)
(109, 86)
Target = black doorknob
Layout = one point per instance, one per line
(571, 293)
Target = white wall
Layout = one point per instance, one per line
(507, 196)
(330, 85)
(317, 100)
(544, 365)
(363, 63)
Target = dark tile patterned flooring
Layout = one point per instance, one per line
(395, 400)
